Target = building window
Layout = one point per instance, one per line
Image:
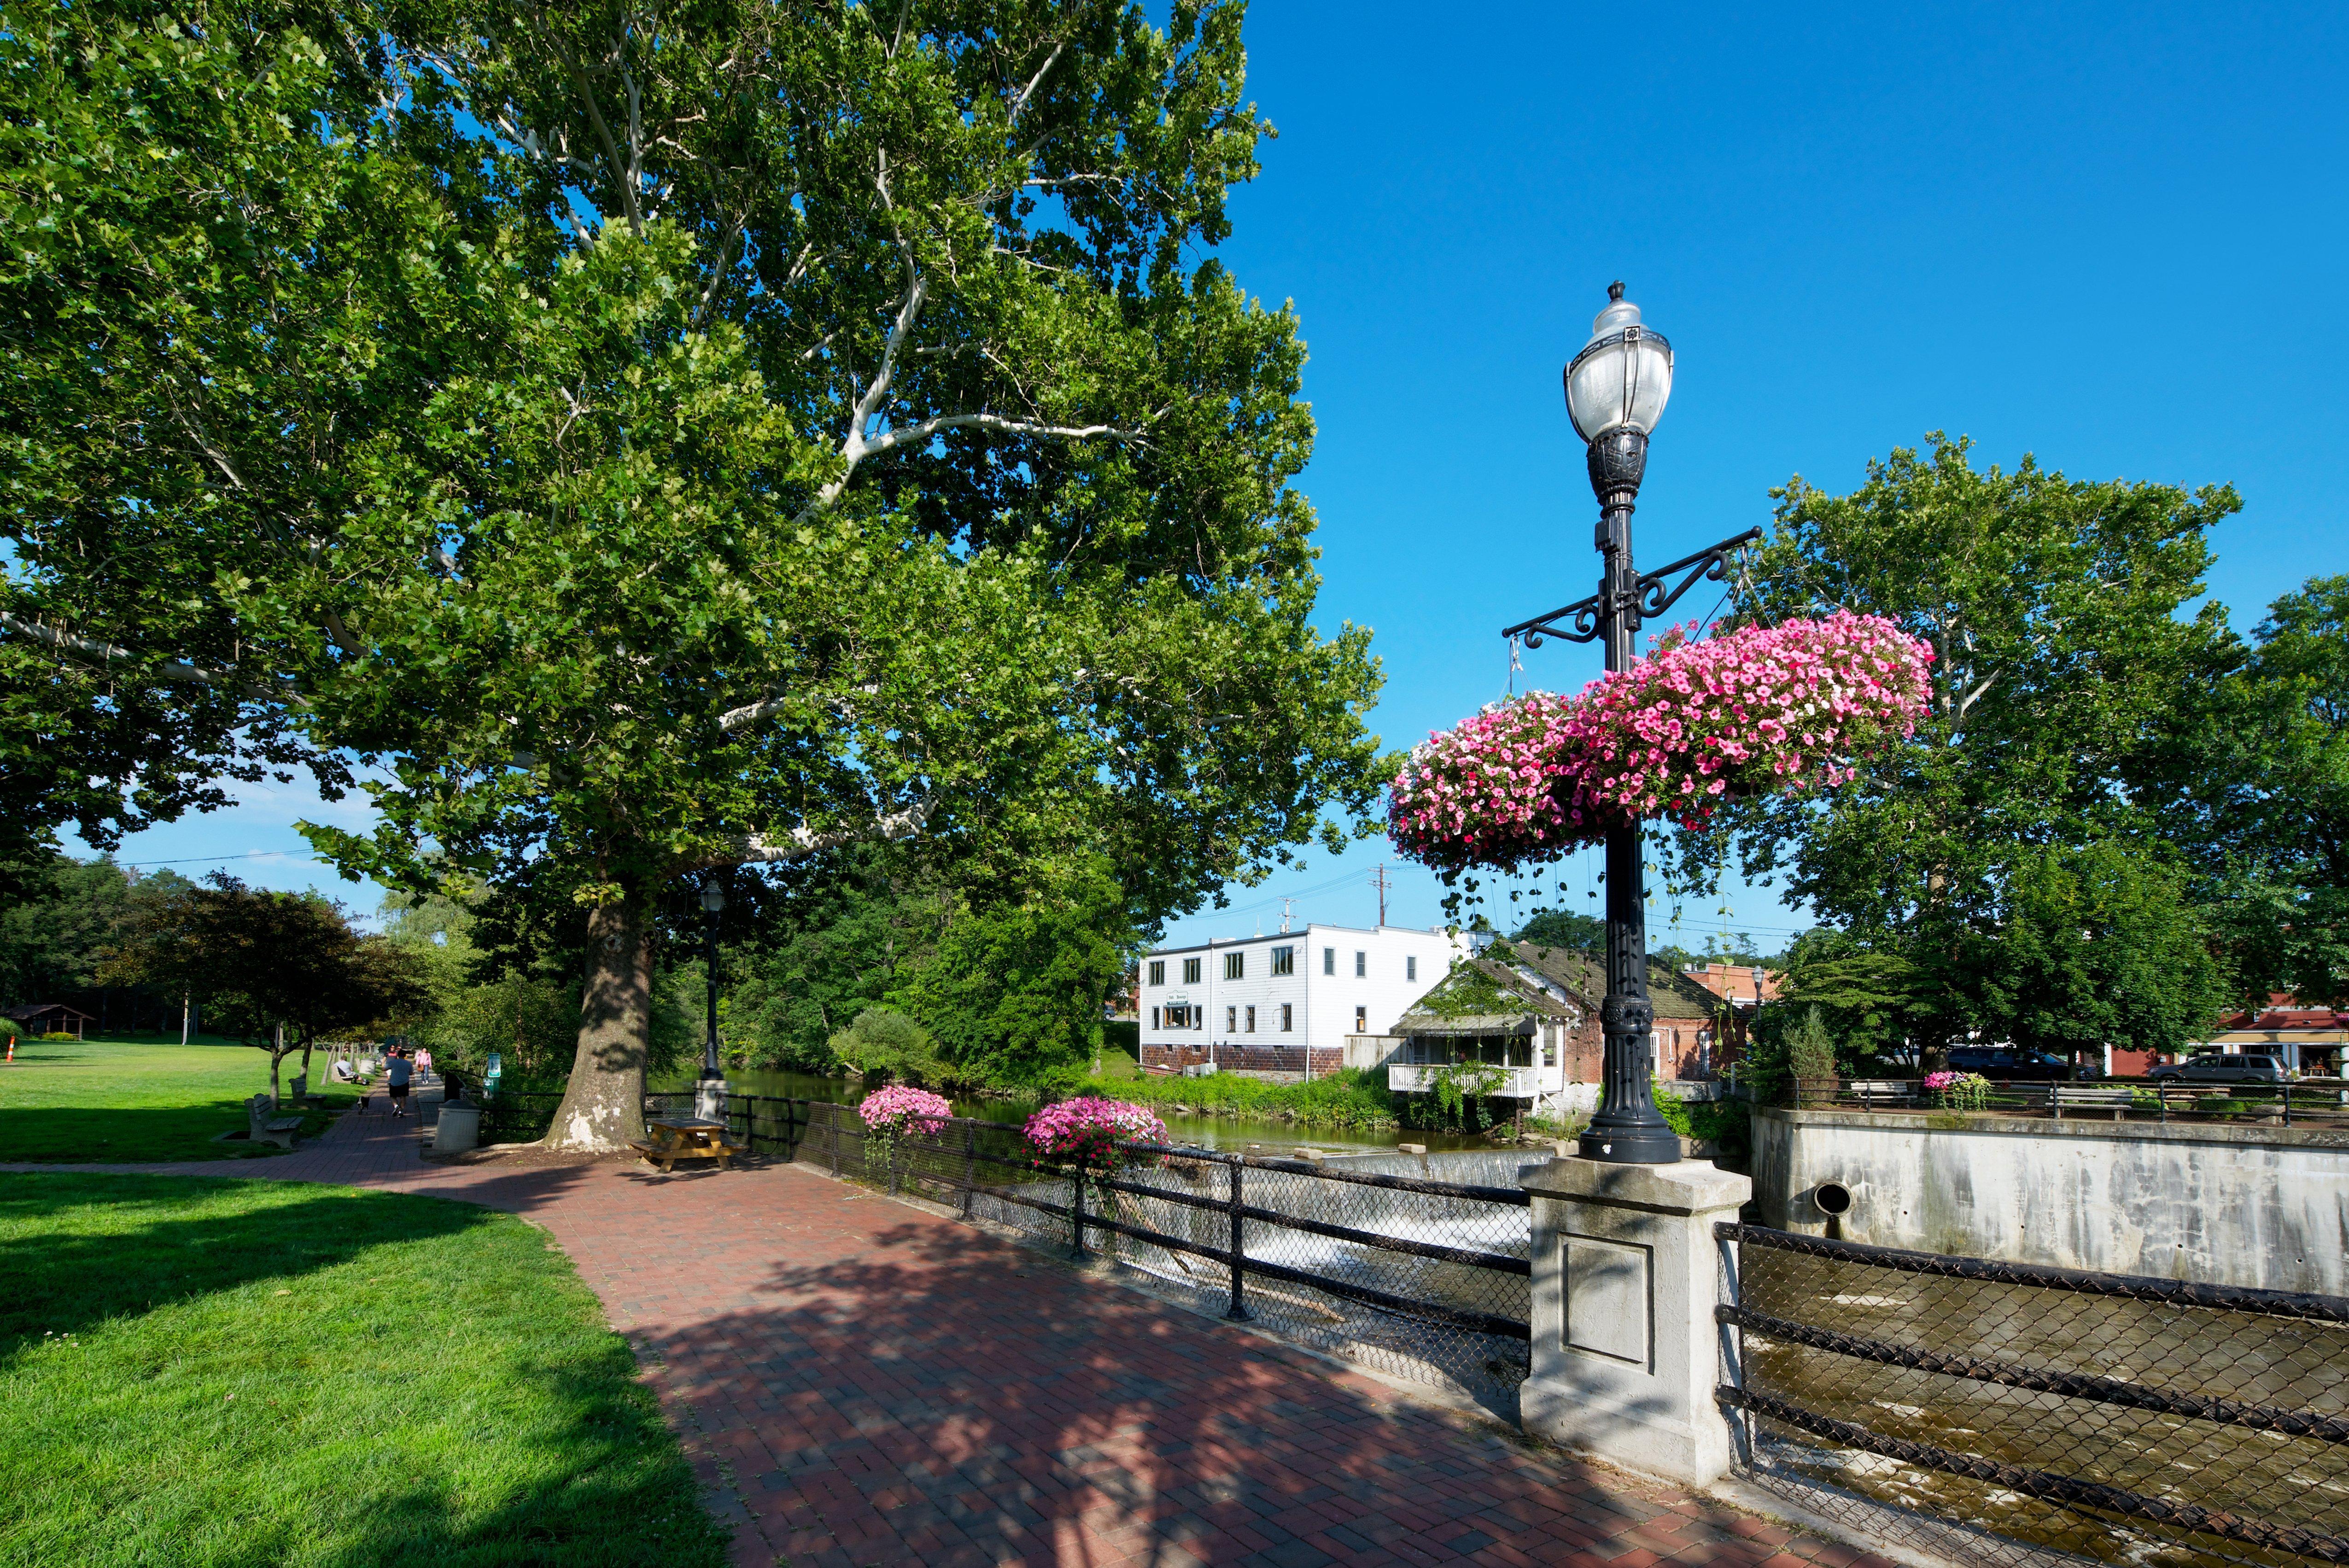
(1549, 1045)
(1362, 963)
(1251, 1020)
(1234, 966)
(1411, 968)
(1154, 1018)
(1158, 972)
(1362, 1021)
(1329, 960)
(1231, 1021)
(1190, 972)
(1288, 1018)
(1284, 961)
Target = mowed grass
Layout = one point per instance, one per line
(210, 1372)
(133, 1100)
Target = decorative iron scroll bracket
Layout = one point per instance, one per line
(1648, 599)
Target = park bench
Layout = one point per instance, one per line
(2116, 1098)
(262, 1128)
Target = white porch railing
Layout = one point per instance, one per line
(1517, 1082)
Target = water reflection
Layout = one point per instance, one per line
(1195, 1132)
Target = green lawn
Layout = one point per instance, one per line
(210, 1371)
(130, 1100)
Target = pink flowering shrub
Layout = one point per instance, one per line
(898, 1109)
(1754, 711)
(1086, 1131)
(1959, 1091)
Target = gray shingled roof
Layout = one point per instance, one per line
(1582, 979)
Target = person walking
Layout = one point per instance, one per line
(423, 1065)
(396, 1070)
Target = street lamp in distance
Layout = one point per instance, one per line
(709, 1089)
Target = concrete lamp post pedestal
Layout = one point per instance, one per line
(1624, 1342)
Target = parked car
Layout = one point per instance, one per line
(2008, 1064)
(2219, 1067)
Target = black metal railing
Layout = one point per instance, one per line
(2004, 1413)
(2306, 1103)
(1421, 1278)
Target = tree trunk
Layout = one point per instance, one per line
(276, 1054)
(603, 1108)
(187, 1011)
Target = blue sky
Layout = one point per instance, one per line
(2110, 236)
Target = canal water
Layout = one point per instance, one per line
(1191, 1132)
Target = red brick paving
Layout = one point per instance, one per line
(860, 1382)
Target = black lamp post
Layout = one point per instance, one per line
(1616, 388)
(709, 1090)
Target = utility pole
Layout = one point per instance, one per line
(1378, 880)
(1287, 908)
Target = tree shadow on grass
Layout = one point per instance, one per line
(400, 1449)
(77, 1250)
(943, 1396)
(77, 1135)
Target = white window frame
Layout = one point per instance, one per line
(1235, 966)
(1329, 960)
(1288, 1018)
(1190, 972)
(1362, 963)
(1158, 972)
(1284, 961)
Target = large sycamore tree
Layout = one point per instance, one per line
(636, 443)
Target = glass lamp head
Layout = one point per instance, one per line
(713, 896)
(1623, 376)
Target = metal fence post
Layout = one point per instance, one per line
(1733, 1340)
(2287, 1102)
(1238, 1312)
(1077, 1212)
(833, 1121)
(2054, 1100)
(969, 1164)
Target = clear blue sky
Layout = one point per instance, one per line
(2110, 236)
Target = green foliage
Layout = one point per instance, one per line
(1347, 1099)
(1468, 992)
(1727, 1124)
(884, 1044)
(2252, 780)
(195, 1372)
(2093, 943)
(2058, 610)
(1566, 930)
(1868, 994)
(282, 970)
(912, 470)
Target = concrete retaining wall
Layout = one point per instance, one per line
(2264, 1206)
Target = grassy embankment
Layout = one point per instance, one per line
(1348, 1098)
(117, 1099)
(199, 1371)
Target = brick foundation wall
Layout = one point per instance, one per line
(1243, 1058)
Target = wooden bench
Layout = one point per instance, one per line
(262, 1128)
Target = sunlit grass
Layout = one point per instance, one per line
(207, 1372)
(116, 1099)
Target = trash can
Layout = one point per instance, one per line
(457, 1129)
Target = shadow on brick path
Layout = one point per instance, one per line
(860, 1382)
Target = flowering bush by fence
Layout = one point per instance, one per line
(898, 1108)
(1753, 712)
(889, 1113)
(1085, 1131)
(1959, 1091)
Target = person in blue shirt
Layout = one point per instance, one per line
(396, 1070)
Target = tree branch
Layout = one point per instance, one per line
(179, 672)
(805, 841)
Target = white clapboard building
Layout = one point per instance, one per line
(1261, 1004)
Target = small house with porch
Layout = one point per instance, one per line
(1532, 1012)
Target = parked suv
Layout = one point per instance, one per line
(2000, 1062)
(2217, 1067)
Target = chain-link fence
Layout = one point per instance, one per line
(2005, 1414)
(1422, 1279)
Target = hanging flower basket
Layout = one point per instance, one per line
(1754, 711)
(892, 1112)
(1085, 1131)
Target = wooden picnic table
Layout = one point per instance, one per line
(672, 1138)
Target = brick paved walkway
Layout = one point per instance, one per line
(859, 1382)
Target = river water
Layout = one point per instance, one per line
(1191, 1132)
